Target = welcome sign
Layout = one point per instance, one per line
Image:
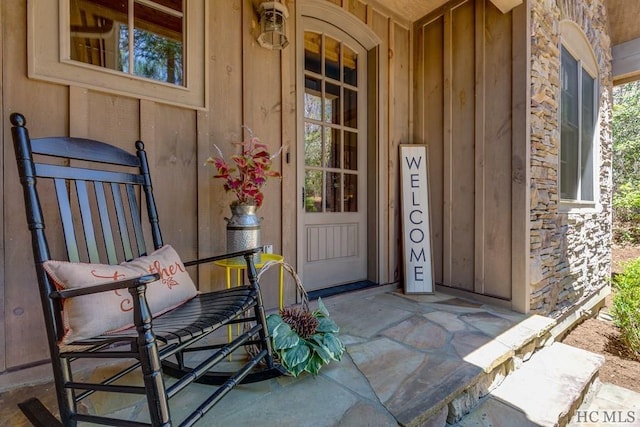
(416, 232)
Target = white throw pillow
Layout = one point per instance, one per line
(89, 315)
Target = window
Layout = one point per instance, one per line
(577, 126)
(578, 117)
(151, 49)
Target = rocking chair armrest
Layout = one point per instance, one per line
(112, 286)
(224, 256)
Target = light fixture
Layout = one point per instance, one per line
(273, 25)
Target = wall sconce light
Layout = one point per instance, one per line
(273, 25)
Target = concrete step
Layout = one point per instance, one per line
(608, 404)
(546, 391)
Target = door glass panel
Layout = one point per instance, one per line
(312, 144)
(332, 147)
(350, 108)
(313, 191)
(312, 48)
(332, 58)
(332, 104)
(312, 98)
(350, 192)
(350, 61)
(333, 191)
(330, 125)
(350, 150)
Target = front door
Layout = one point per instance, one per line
(333, 161)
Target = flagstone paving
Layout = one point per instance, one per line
(407, 357)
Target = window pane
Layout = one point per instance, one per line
(332, 104)
(350, 67)
(350, 192)
(351, 150)
(569, 101)
(312, 48)
(333, 192)
(157, 44)
(351, 108)
(312, 144)
(570, 150)
(332, 58)
(99, 35)
(332, 147)
(569, 163)
(586, 152)
(313, 191)
(312, 98)
(95, 33)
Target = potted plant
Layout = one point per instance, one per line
(244, 176)
(304, 340)
(248, 170)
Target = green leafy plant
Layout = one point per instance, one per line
(626, 304)
(626, 212)
(304, 340)
(626, 202)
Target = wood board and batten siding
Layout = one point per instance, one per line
(391, 76)
(2, 203)
(246, 85)
(170, 134)
(463, 108)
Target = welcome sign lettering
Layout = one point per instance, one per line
(417, 257)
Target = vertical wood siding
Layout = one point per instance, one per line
(400, 121)
(2, 204)
(247, 85)
(463, 113)
(25, 341)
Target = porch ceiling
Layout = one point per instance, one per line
(413, 10)
(623, 16)
(624, 31)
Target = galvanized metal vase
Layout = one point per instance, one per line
(243, 229)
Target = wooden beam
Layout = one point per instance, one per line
(626, 61)
(479, 152)
(521, 161)
(6, 138)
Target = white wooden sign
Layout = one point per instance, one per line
(416, 231)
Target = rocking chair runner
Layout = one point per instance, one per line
(100, 190)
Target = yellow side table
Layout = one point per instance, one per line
(239, 265)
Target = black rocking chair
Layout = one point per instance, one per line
(102, 194)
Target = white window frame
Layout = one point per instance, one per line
(49, 58)
(573, 39)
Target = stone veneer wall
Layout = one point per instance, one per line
(570, 252)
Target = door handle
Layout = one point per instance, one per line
(303, 194)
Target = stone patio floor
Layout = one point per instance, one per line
(405, 355)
